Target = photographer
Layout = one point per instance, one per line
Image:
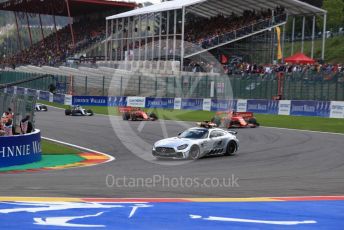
(26, 125)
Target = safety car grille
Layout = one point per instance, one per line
(164, 150)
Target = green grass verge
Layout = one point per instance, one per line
(52, 148)
(47, 161)
(53, 154)
(304, 123)
(53, 104)
(291, 122)
(333, 52)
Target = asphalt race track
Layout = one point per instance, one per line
(271, 162)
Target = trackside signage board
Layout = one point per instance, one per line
(44, 95)
(207, 104)
(241, 106)
(192, 104)
(10, 90)
(90, 101)
(20, 90)
(220, 105)
(117, 101)
(323, 108)
(284, 107)
(334, 109)
(303, 108)
(21, 149)
(59, 98)
(160, 103)
(68, 99)
(177, 103)
(32, 92)
(337, 109)
(136, 102)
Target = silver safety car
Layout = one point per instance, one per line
(197, 142)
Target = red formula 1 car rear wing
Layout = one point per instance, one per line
(245, 115)
(127, 109)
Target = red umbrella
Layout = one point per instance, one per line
(299, 58)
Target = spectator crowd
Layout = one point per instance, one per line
(212, 31)
(247, 68)
(55, 48)
(268, 71)
(8, 128)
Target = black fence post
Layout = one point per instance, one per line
(86, 86)
(103, 92)
(121, 88)
(156, 86)
(166, 87)
(337, 88)
(175, 86)
(139, 85)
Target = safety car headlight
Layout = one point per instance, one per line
(182, 147)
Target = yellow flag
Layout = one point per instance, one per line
(279, 47)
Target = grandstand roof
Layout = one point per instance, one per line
(210, 8)
(58, 7)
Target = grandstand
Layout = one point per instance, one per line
(143, 49)
(64, 43)
(180, 30)
(174, 31)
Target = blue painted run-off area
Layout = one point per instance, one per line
(232, 215)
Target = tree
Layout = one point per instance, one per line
(335, 13)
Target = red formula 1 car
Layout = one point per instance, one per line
(136, 114)
(235, 120)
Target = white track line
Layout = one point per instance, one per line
(52, 106)
(299, 130)
(302, 130)
(82, 148)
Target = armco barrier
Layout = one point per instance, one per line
(21, 149)
(332, 109)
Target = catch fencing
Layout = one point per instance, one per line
(20, 104)
(43, 83)
(332, 109)
(296, 86)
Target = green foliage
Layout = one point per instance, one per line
(335, 13)
(333, 53)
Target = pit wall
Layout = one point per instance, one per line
(327, 109)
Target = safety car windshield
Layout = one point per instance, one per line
(194, 134)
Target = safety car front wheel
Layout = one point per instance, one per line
(194, 153)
